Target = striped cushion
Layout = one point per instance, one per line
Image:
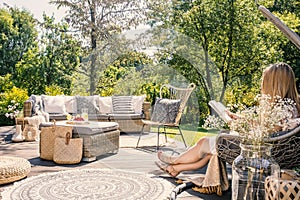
(122, 104)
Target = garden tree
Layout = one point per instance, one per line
(98, 20)
(228, 32)
(123, 69)
(5, 83)
(53, 64)
(18, 36)
(289, 13)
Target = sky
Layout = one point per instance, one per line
(36, 7)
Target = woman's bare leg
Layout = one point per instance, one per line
(194, 154)
(175, 169)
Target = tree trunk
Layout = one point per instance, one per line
(93, 53)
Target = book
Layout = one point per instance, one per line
(220, 109)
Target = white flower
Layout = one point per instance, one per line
(214, 122)
(258, 122)
(13, 110)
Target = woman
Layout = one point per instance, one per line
(277, 80)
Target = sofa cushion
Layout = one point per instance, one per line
(122, 104)
(105, 105)
(98, 117)
(137, 103)
(89, 102)
(125, 116)
(54, 104)
(165, 110)
(71, 105)
(57, 116)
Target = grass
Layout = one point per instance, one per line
(191, 136)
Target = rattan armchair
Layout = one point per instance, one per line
(172, 93)
(285, 147)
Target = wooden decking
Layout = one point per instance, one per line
(128, 158)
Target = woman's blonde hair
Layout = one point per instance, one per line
(279, 80)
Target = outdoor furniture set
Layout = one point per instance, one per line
(107, 117)
(127, 111)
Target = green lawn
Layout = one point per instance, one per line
(191, 136)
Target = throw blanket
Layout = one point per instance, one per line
(215, 179)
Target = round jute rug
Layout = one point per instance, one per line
(106, 184)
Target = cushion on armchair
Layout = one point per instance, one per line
(165, 110)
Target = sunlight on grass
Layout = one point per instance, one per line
(190, 136)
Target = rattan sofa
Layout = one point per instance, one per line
(101, 109)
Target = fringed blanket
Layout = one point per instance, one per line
(215, 179)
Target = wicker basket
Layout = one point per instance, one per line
(67, 150)
(47, 139)
(289, 186)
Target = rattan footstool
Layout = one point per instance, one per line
(13, 169)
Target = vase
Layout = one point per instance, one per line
(249, 171)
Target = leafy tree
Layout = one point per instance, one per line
(5, 83)
(289, 13)
(53, 64)
(18, 36)
(231, 34)
(99, 20)
(122, 73)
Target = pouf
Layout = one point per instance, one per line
(13, 169)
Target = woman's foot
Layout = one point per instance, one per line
(167, 168)
(164, 157)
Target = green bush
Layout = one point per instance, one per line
(11, 101)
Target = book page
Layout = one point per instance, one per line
(219, 108)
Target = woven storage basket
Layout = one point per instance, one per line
(289, 187)
(67, 150)
(47, 139)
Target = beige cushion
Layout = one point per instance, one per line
(137, 103)
(105, 105)
(54, 104)
(70, 103)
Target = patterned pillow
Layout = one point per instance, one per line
(122, 104)
(165, 110)
(89, 102)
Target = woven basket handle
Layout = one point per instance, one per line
(68, 137)
(54, 126)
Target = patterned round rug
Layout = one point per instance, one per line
(97, 184)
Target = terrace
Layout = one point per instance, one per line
(128, 158)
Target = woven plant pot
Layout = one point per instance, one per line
(289, 187)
